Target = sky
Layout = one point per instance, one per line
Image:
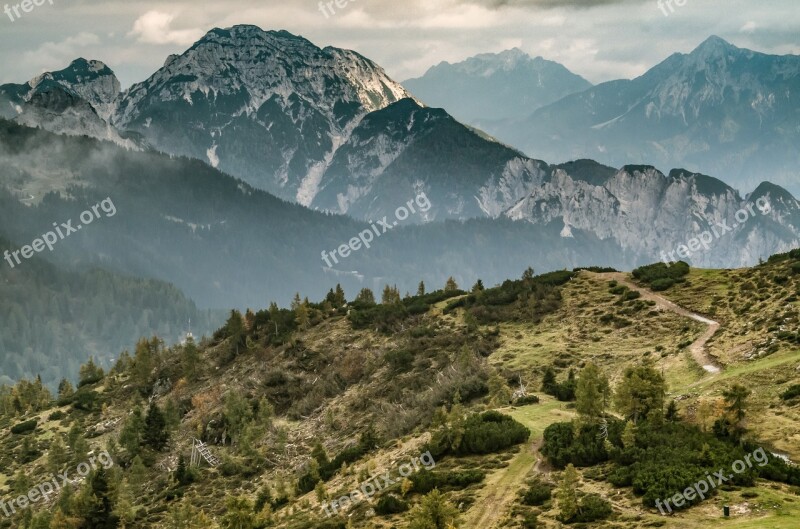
(598, 39)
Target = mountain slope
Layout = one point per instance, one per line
(721, 110)
(266, 106)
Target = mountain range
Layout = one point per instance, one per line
(242, 160)
(720, 110)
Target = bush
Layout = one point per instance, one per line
(425, 480)
(791, 393)
(24, 427)
(527, 399)
(482, 434)
(390, 504)
(662, 284)
(400, 361)
(592, 508)
(537, 493)
(56, 415)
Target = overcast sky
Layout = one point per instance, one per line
(599, 39)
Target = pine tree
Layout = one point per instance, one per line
(451, 285)
(549, 381)
(155, 433)
(182, 475)
(90, 373)
(421, 288)
(190, 360)
(736, 407)
(478, 286)
(65, 390)
(238, 514)
(100, 514)
(57, 456)
(672, 412)
(391, 296)
(365, 297)
(499, 391)
(567, 494)
(640, 394)
(434, 512)
(592, 392)
(339, 299)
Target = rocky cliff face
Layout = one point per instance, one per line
(651, 214)
(267, 106)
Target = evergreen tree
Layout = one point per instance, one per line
(339, 299)
(100, 514)
(499, 392)
(736, 407)
(391, 296)
(366, 297)
(130, 437)
(478, 286)
(549, 381)
(592, 392)
(190, 360)
(65, 390)
(421, 288)
(57, 456)
(641, 393)
(238, 514)
(567, 494)
(434, 512)
(528, 274)
(672, 412)
(450, 285)
(90, 373)
(155, 433)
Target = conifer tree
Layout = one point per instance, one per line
(155, 435)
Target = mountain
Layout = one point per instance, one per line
(492, 87)
(652, 214)
(55, 318)
(722, 110)
(266, 106)
(78, 100)
(404, 149)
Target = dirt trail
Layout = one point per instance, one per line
(698, 347)
(501, 489)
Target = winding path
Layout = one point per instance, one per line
(698, 347)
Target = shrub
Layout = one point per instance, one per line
(480, 434)
(400, 361)
(537, 493)
(527, 399)
(791, 393)
(425, 480)
(24, 427)
(56, 415)
(592, 508)
(662, 284)
(390, 504)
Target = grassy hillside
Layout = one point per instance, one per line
(301, 406)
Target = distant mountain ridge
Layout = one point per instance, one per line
(490, 87)
(722, 110)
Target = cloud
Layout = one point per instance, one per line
(580, 4)
(749, 27)
(154, 28)
(51, 56)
